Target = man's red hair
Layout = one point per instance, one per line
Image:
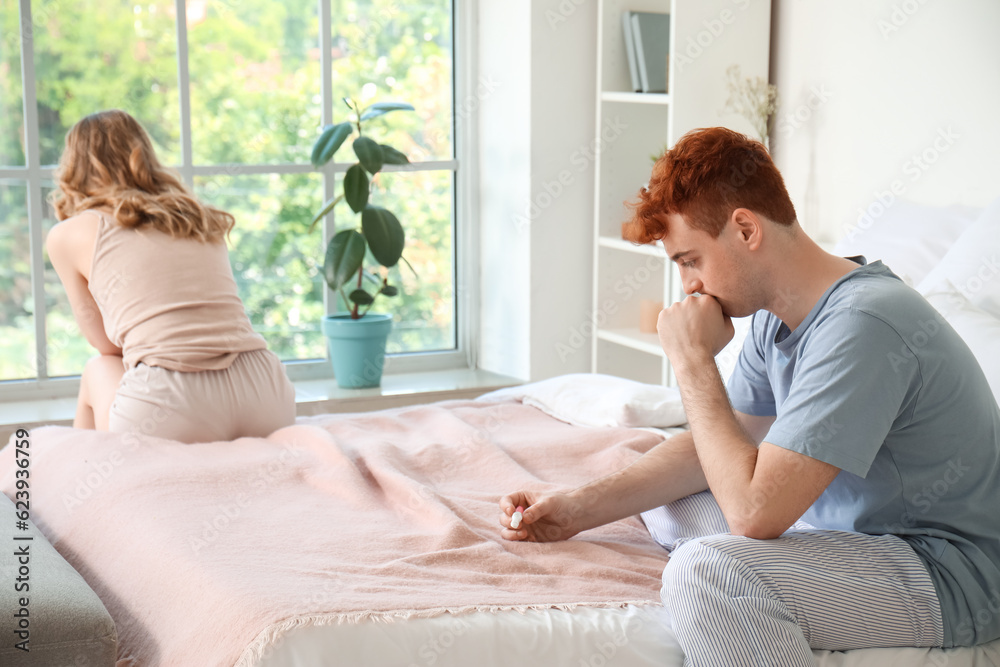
(707, 175)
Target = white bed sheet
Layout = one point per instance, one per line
(584, 637)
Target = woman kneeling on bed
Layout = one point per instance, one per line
(146, 270)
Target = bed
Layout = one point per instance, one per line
(373, 538)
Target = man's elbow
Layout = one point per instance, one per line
(758, 534)
(756, 527)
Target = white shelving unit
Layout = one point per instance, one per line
(706, 37)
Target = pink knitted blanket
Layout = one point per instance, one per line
(205, 554)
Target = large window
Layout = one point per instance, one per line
(233, 95)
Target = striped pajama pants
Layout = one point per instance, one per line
(738, 601)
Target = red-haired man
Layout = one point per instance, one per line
(853, 407)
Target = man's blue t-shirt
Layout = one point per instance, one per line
(875, 382)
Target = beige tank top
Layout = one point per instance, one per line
(168, 302)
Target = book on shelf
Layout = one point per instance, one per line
(651, 41)
(633, 66)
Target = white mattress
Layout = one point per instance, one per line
(584, 637)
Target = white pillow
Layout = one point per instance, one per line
(972, 264)
(909, 238)
(980, 330)
(594, 399)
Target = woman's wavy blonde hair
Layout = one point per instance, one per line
(109, 162)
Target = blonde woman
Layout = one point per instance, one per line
(146, 270)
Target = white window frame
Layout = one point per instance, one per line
(464, 202)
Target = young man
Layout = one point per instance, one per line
(853, 406)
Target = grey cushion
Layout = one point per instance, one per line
(67, 623)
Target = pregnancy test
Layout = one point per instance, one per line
(515, 519)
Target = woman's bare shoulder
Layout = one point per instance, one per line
(82, 222)
(72, 240)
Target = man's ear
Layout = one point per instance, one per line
(749, 227)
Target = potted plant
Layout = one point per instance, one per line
(357, 336)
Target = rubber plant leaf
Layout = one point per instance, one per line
(382, 108)
(344, 255)
(356, 188)
(327, 207)
(369, 154)
(328, 143)
(391, 156)
(361, 297)
(384, 235)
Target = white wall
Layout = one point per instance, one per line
(883, 95)
(563, 111)
(536, 197)
(504, 52)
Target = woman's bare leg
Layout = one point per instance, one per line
(98, 385)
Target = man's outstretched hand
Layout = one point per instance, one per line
(547, 518)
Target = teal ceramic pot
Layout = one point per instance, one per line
(357, 347)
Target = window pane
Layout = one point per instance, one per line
(284, 296)
(11, 106)
(255, 80)
(67, 349)
(17, 324)
(424, 311)
(105, 54)
(255, 98)
(384, 51)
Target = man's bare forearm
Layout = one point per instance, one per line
(723, 443)
(667, 472)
